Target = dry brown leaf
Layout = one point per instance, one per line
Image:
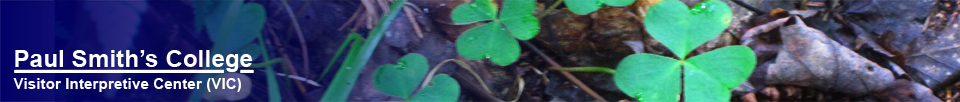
(811, 59)
(864, 37)
(907, 91)
(803, 13)
(934, 57)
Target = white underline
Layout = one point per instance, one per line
(246, 71)
(122, 71)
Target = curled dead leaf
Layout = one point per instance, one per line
(811, 59)
(907, 91)
(803, 13)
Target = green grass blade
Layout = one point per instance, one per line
(336, 55)
(343, 81)
(272, 85)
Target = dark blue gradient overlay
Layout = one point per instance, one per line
(25, 25)
(44, 27)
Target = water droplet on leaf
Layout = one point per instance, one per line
(401, 65)
(639, 97)
(695, 11)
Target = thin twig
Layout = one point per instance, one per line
(361, 21)
(352, 18)
(586, 69)
(926, 21)
(519, 88)
(413, 21)
(566, 74)
(299, 78)
(953, 98)
(303, 43)
(290, 69)
(934, 50)
(549, 9)
(279, 46)
(751, 8)
(303, 6)
(383, 5)
(542, 75)
(949, 93)
(371, 11)
(462, 65)
(415, 7)
(289, 65)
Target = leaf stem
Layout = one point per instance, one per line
(566, 74)
(462, 65)
(748, 7)
(586, 69)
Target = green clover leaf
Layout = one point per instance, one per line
(402, 78)
(710, 76)
(488, 41)
(443, 88)
(583, 7)
(706, 77)
(682, 32)
(649, 77)
(495, 40)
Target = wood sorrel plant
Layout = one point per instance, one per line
(705, 77)
(495, 40)
(402, 78)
